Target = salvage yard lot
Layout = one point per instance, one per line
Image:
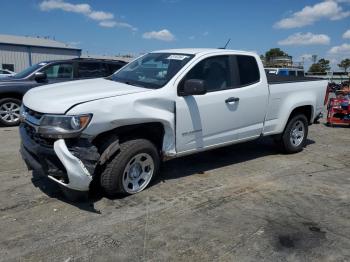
(245, 202)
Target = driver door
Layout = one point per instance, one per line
(229, 111)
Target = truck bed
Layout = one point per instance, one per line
(276, 79)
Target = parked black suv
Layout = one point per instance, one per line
(12, 89)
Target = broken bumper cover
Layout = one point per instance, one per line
(59, 163)
(78, 176)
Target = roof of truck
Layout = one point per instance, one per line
(195, 51)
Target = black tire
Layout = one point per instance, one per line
(5, 119)
(286, 139)
(113, 172)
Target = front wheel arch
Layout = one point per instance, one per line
(112, 173)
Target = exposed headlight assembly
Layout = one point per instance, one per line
(63, 126)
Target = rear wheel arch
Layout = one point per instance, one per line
(306, 110)
(11, 95)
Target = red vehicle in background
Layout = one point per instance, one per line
(339, 107)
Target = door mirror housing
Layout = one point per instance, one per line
(40, 76)
(194, 87)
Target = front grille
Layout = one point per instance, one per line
(34, 114)
(32, 133)
(32, 121)
(31, 116)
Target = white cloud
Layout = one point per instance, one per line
(305, 39)
(100, 15)
(310, 14)
(108, 23)
(105, 19)
(163, 35)
(346, 35)
(341, 49)
(112, 23)
(192, 37)
(49, 5)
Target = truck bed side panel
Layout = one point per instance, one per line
(285, 97)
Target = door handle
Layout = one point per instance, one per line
(231, 100)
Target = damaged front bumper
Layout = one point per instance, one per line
(70, 163)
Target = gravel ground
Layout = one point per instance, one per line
(245, 202)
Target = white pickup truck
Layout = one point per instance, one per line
(164, 104)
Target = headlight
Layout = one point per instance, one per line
(62, 126)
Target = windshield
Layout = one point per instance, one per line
(153, 70)
(26, 72)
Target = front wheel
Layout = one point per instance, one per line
(132, 169)
(295, 134)
(9, 111)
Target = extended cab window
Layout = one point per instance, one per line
(248, 70)
(63, 71)
(215, 71)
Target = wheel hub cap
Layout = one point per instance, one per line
(135, 170)
(9, 112)
(297, 133)
(138, 173)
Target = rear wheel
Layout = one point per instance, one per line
(9, 111)
(295, 134)
(132, 169)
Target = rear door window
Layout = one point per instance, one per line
(90, 70)
(113, 67)
(105, 70)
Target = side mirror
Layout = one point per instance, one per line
(40, 76)
(194, 87)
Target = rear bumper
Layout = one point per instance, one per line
(59, 163)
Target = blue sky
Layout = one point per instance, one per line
(301, 28)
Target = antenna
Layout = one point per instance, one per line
(228, 41)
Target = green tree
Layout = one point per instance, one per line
(320, 67)
(345, 64)
(324, 65)
(315, 68)
(274, 52)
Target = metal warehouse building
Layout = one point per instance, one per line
(19, 52)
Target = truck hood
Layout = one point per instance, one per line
(58, 98)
